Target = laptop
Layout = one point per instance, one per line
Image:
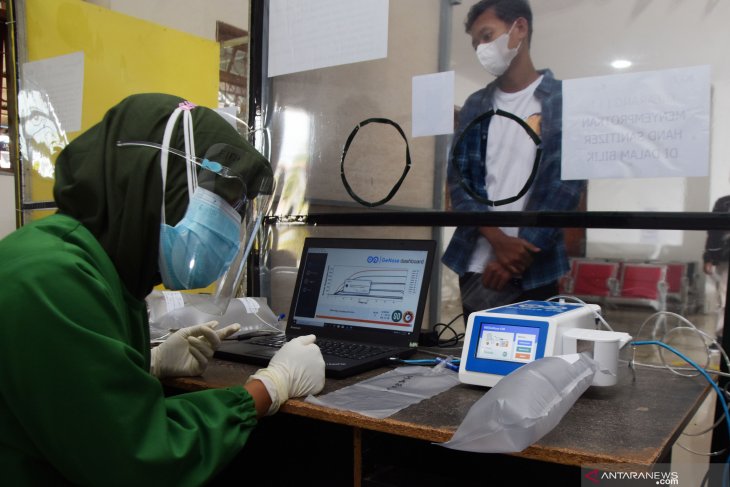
(363, 298)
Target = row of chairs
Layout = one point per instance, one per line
(611, 281)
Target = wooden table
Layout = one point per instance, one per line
(631, 426)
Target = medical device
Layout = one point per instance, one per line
(500, 340)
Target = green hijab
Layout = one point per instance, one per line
(116, 192)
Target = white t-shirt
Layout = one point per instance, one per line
(510, 157)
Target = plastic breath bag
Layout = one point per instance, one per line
(172, 310)
(386, 394)
(524, 406)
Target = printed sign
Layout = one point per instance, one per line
(637, 125)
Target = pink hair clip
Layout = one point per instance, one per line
(186, 105)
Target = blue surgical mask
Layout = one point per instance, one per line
(199, 249)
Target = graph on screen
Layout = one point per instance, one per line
(375, 296)
(363, 288)
(347, 281)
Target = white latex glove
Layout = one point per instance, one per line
(296, 370)
(187, 351)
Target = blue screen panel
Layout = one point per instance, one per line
(501, 345)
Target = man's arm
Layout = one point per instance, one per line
(550, 193)
(495, 276)
(513, 253)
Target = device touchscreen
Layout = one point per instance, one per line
(507, 342)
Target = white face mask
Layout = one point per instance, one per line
(496, 56)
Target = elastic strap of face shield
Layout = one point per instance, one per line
(184, 108)
(189, 145)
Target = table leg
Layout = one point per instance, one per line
(357, 459)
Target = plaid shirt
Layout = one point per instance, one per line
(549, 193)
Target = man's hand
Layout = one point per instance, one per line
(513, 253)
(495, 276)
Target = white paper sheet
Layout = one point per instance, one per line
(637, 125)
(433, 104)
(386, 394)
(312, 34)
(62, 78)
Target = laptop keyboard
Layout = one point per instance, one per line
(355, 351)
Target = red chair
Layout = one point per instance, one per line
(593, 279)
(643, 284)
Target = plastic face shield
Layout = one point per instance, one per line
(252, 204)
(211, 174)
(214, 174)
(229, 282)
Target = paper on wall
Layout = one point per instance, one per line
(637, 125)
(433, 104)
(62, 79)
(312, 34)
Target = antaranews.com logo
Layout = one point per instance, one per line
(680, 475)
(596, 477)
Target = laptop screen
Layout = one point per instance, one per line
(362, 287)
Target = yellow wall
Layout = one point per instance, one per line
(122, 55)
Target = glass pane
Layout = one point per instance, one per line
(109, 59)
(570, 41)
(312, 114)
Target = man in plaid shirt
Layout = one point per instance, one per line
(498, 266)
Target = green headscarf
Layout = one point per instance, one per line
(116, 192)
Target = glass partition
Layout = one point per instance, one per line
(77, 59)
(632, 141)
(340, 130)
(311, 113)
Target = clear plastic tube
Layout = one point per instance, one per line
(578, 300)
